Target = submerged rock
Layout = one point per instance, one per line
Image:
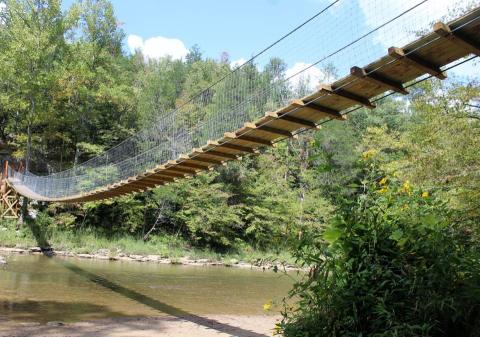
(55, 324)
(85, 256)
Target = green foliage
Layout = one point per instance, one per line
(205, 212)
(438, 147)
(390, 263)
(270, 206)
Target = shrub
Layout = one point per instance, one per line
(389, 264)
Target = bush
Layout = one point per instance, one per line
(389, 264)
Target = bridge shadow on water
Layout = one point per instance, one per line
(160, 306)
(48, 311)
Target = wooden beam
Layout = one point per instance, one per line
(457, 38)
(128, 189)
(223, 154)
(215, 153)
(327, 89)
(417, 62)
(293, 120)
(193, 165)
(158, 177)
(121, 189)
(200, 159)
(170, 174)
(141, 183)
(269, 129)
(231, 135)
(313, 107)
(177, 167)
(236, 147)
(378, 79)
(275, 131)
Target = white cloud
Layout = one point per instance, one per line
(237, 63)
(305, 73)
(135, 43)
(157, 47)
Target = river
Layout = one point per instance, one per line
(40, 289)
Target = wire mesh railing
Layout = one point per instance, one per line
(342, 34)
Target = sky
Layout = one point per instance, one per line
(237, 27)
(243, 28)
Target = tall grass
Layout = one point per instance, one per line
(90, 241)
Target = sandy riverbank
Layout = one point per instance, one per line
(191, 326)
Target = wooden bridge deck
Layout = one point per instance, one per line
(444, 45)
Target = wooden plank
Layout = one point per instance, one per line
(204, 160)
(269, 129)
(312, 106)
(240, 148)
(223, 154)
(170, 174)
(293, 120)
(378, 79)
(457, 38)
(233, 136)
(308, 105)
(140, 183)
(195, 166)
(176, 167)
(162, 179)
(328, 89)
(215, 153)
(417, 62)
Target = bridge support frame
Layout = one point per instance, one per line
(9, 199)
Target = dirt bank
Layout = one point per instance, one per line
(104, 254)
(194, 326)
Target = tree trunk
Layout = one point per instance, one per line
(24, 210)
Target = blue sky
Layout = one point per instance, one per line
(242, 28)
(237, 27)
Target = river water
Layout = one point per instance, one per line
(36, 288)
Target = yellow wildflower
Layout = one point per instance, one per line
(407, 188)
(425, 194)
(369, 154)
(383, 181)
(267, 306)
(383, 190)
(276, 330)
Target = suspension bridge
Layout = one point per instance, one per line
(242, 114)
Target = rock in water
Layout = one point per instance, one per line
(3, 261)
(55, 324)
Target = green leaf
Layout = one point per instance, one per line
(396, 235)
(331, 235)
(430, 220)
